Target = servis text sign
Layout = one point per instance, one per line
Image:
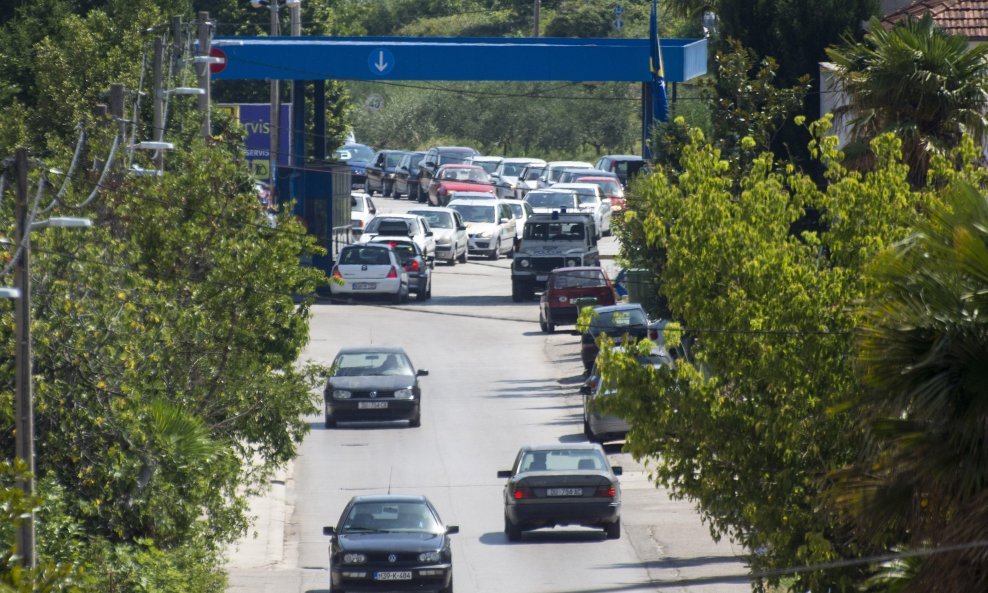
(256, 120)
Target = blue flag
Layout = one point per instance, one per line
(660, 103)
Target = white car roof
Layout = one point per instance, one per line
(524, 160)
(430, 209)
(573, 164)
(512, 201)
(575, 186)
(400, 215)
(469, 202)
(486, 158)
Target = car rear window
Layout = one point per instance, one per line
(369, 256)
(578, 279)
(405, 250)
(554, 231)
(383, 226)
(620, 319)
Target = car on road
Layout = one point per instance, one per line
(407, 174)
(490, 226)
(600, 426)
(362, 211)
(403, 225)
(455, 179)
(522, 211)
(561, 484)
(550, 241)
(369, 270)
(554, 169)
(546, 201)
(528, 179)
(373, 383)
(592, 200)
(626, 323)
(506, 175)
(568, 290)
(489, 163)
(392, 542)
(449, 231)
(381, 172)
(570, 175)
(358, 156)
(626, 166)
(610, 186)
(411, 257)
(436, 157)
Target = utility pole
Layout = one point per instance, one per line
(23, 394)
(177, 43)
(538, 6)
(158, 96)
(117, 108)
(275, 107)
(297, 152)
(204, 70)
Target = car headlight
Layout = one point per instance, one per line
(357, 224)
(524, 263)
(341, 394)
(572, 262)
(485, 234)
(430, 557)
(405, 393)
(562, 299)
(354, 558)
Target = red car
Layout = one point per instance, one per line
(570, 289)
(458, 178)
(611, 188)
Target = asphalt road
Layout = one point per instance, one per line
(496, 382)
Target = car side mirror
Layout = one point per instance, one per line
(329, 530)
(430, 164)
(504, 473)
(451, 529)
(421, 373)
(505, 220)
(373, 210)
(617, 470)
(428, 233)
(584, 389)
(461, 227)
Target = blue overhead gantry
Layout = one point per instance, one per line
(649, 61)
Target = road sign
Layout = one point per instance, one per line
(618, 23)
(380, 61)
(219, 66)
(374, 102)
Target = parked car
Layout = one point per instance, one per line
(413, 260)
(626, 166)
(552, 200)
(528, 179)
(592, 200)
(522, 210)
(403, 225)
(407, 173)
(554, 169)
(570, 175)
(458, 178)
(505, 176)
(626, 322)
(488, 163)
(611, 186)
(490, 226)
(599, 426)
(358, 156)
(366, 270)
(436, 157)
(394, 541)
(561, 484)
(449, 231)
(373, 383)
(568, 290)
(362, 211)
(381, 172)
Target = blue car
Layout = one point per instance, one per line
(358, 156)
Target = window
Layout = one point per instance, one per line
(411, 517)
(359, 364)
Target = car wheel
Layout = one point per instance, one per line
(428, 288)
(330, 423)
(613, 530)
(452, 259)
(466, 254)
(448, 589)
(511, 529)
(517, 293)
(496, 253)
(387, 190)
(398, 297)
(542, 324)
(416, 421)
(423, 293)
(587, 431)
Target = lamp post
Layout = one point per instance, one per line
(23, 392)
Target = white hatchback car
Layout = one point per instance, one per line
(554, 169)
(365, 269)
(506, 175)
(449, 231)
(403, 225)
(490, 226)
(362, 211)
(522, 211)
(592, 200)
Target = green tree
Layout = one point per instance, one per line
(917, 81)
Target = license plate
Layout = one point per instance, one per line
(564, 492)
(371, 405)
(542, 278)
(393, 575)
(364, 285)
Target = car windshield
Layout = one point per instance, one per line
(378, 517)
(354, 152)
(549, 200)
(364, 255)
(518, 210)
(533, 173)
(453, 158)
(405, 249)
(512, 169)
(475, 213)
(487, 166)
(578, 279)
(370, 364)
(389, 226)
(357, 205)
(471, 174)
(562, 460)
(609, 186)
(588, 198)
(437, 220)
(392, 159)
(618, 319)
(554, 231)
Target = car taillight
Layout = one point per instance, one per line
(336, 272)
(393, 273)
(653, 334)
(606, 491)
(522, 492)
(412, 266)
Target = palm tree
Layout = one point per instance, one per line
(923, 480)
(913, 79)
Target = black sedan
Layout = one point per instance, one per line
(625, 322)
(415, 263)
(373, 383)
(390, 543)
(553, 485)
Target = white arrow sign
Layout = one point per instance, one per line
(380, 61)
(380, 64)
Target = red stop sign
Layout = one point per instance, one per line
(218, 66)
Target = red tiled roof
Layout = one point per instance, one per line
(968, 18)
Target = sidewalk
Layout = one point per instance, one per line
(263, 546)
